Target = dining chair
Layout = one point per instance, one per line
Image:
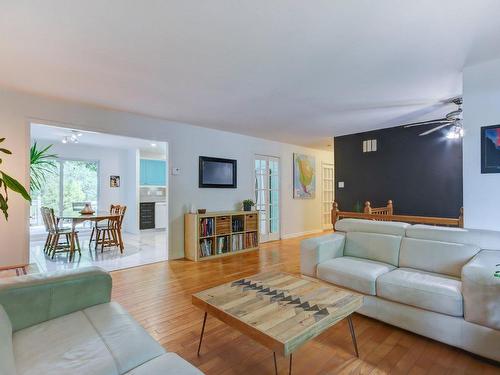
(111, 234)
(113, 209)
(48, 241)
(54, 244)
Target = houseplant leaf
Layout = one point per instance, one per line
(15, 186)
(41, 164)
(4, 206)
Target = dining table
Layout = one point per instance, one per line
(76, 217)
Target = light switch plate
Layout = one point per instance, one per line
(341, 184)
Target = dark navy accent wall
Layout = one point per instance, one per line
(422, 175)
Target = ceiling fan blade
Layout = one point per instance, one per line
(429, 122)
(434, 129)
(454, 114)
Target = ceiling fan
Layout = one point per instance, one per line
(453, 119)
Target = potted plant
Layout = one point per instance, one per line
(248, 204)
(9, 183)
(41, 164)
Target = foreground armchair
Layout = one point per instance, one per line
(64, 323)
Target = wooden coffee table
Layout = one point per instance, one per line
(279, 310)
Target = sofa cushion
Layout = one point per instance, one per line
(435, 256)
(129, 344)
(425, 290)
(65, 345)
(315, 250)
(379, 247)
(353, 273)
(168, 363)
(371, 226)
(7, 364)
(35, 298)
(102, 339)
(484, 239)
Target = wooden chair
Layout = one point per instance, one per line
(54, 244)
(111, 234)
(113, 209)
(48, 241)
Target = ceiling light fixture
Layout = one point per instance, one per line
(153, 144)
(456, 131)
(73, 138)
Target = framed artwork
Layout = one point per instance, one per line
(114, 181)
(304, 176)
(490, 149)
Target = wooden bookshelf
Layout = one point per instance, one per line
(217, 234)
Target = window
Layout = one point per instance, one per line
(73, 183)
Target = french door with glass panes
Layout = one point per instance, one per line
(327, 194)
(267, 196)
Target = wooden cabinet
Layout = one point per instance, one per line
(153, 172)
(216, 234)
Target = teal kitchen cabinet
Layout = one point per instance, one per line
(153, 172)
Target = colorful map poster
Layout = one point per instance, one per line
(304, 176)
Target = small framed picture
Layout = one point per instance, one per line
(114, 181)
(490, 149)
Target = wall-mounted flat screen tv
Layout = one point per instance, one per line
(217, 173)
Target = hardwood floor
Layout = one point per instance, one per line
(159, 297)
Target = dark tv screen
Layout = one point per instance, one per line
(217, 172)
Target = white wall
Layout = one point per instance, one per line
(14, 232)
(131, 190)
(481, 108)
(186, 143)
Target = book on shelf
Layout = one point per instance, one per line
(222, 245)
(250, 239)
(237, 224)
(237, 242)
(206, 247)
(207, 226)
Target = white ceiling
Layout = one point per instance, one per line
(55, 134)
(291, 70)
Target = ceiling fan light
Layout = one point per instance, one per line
(456, 132)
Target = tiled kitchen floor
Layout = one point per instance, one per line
(147, 247)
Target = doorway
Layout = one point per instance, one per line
(326, 194)
(267, 196)
(99, 170)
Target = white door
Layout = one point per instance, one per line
(327, 194)
(267, 177)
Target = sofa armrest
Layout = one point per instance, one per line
(481, 289)
(313, 251)
(33, 299)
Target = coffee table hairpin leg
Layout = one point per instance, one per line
(353, 335)
(202, 331)
(276, 365)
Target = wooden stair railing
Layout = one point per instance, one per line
(386, 210)
(387, 214)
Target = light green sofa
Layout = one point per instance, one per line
(435, 281)
(64, 323)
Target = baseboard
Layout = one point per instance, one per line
(298, 234)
